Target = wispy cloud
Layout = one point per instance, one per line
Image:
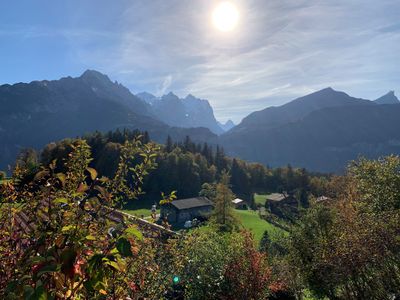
(164, 86)
(280, 50)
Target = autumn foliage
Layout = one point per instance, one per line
(59, 239)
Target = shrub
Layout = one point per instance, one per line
(67, 247)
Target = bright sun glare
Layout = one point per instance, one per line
(225, 16)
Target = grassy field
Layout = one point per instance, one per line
(251, 221)
(260, 198)
(140, 212)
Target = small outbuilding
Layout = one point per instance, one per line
(182, 210)
(239, 203)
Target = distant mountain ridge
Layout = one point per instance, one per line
(297, 109)
(34, 114)
(389, 98)
(188, 112)
(228, 125)
(322, 131)
(103, 87)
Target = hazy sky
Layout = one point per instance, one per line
(280, 49)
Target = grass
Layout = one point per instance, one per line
(248, 218)
(251, 221)
(140, 212)
(260, 198)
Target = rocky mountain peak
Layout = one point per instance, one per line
(389, 98)
(93, 75)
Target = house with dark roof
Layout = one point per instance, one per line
(182, 210)
(281, 204)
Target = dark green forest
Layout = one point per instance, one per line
(185, 166)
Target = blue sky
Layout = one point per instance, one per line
(281, 49)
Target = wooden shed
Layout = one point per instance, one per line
(182, 210)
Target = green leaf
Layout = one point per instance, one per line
(104, 179)
(68, 228)
(124, 247)
(35, 294)
(93, 173)
(116, 262)
(61, 200)
(95, 262)
(37, 259)
(114, 265)
(134, 232)
(28, 292)
(61, 177)
(90, 237)
(40, 294)
(114, 251)
(47, 269)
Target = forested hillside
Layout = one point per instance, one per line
(182, 166)
(60, 236)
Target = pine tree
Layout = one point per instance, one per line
(188, 145)
(224, 215)
(220, 161)
(205, 151)
(146, 138)
(240, 180)
(168, 144)
(289, 179)
(265, 242)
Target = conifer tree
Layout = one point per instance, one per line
(168, 144)
(224, 215)
(240, 179)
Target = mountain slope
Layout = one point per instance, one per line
(103, 87)
(187, 113)
(389, 98)
(321, 132)
(297, 109)
(34, 114)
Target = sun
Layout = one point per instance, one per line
(225, 16)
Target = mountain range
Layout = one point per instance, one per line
(188, 112)
(34, 114)
(321, 131)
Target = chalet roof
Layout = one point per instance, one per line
(276, 197)
(237, 201)
(191, 203)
